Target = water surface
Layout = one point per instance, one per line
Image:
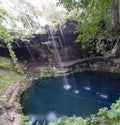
(49, 99)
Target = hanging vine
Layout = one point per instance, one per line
(8, 39)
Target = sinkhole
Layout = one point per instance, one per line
(48, 99)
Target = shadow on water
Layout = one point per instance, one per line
(47, 99)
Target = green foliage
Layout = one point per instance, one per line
(8, 39)
(6, 64)
(72, 15)
(13, 56)
(91, 20)
(7, 73)
(8, 77)
(71, 4)
(24, 120)
(104, 117)
(94, 21)
(2, 14)
(2, 98)
(77, 69)
(47, 73)
(69, 121)
(100, 46)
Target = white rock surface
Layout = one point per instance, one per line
(29, 16)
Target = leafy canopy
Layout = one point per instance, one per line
(71, 4)
(90, 24)
(95, 11)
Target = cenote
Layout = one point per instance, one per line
(47, 99)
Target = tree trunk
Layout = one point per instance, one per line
(119, 11)
(116, 13)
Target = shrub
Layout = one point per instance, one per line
(47, 73)
(6, 64)
(24, 120)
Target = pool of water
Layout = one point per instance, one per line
(87, 92)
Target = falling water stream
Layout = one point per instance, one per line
(30, 52)
(66, 86)
(63, 39)
(62, 35)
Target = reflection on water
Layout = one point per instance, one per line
(48, 117)
(87, 92)
(67, 86)
(87, 88)
(97, 93)
(104, 96)
(51, 116)
(76, 91)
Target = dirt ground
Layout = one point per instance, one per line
(10, 94)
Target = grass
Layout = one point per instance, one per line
(8, 75)
(6, 64)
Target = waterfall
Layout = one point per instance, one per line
(76, 91)
(29, 52)
(66, 86)
(62, 35)
(31, 78)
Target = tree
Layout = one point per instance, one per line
(116, 13)
(96, 19)
(71, 4)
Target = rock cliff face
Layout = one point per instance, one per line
(27, 20)
(40, 46)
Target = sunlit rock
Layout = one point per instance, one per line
(29, 16)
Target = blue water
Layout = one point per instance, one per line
(48, 99)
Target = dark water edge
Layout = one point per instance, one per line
(48, 99)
